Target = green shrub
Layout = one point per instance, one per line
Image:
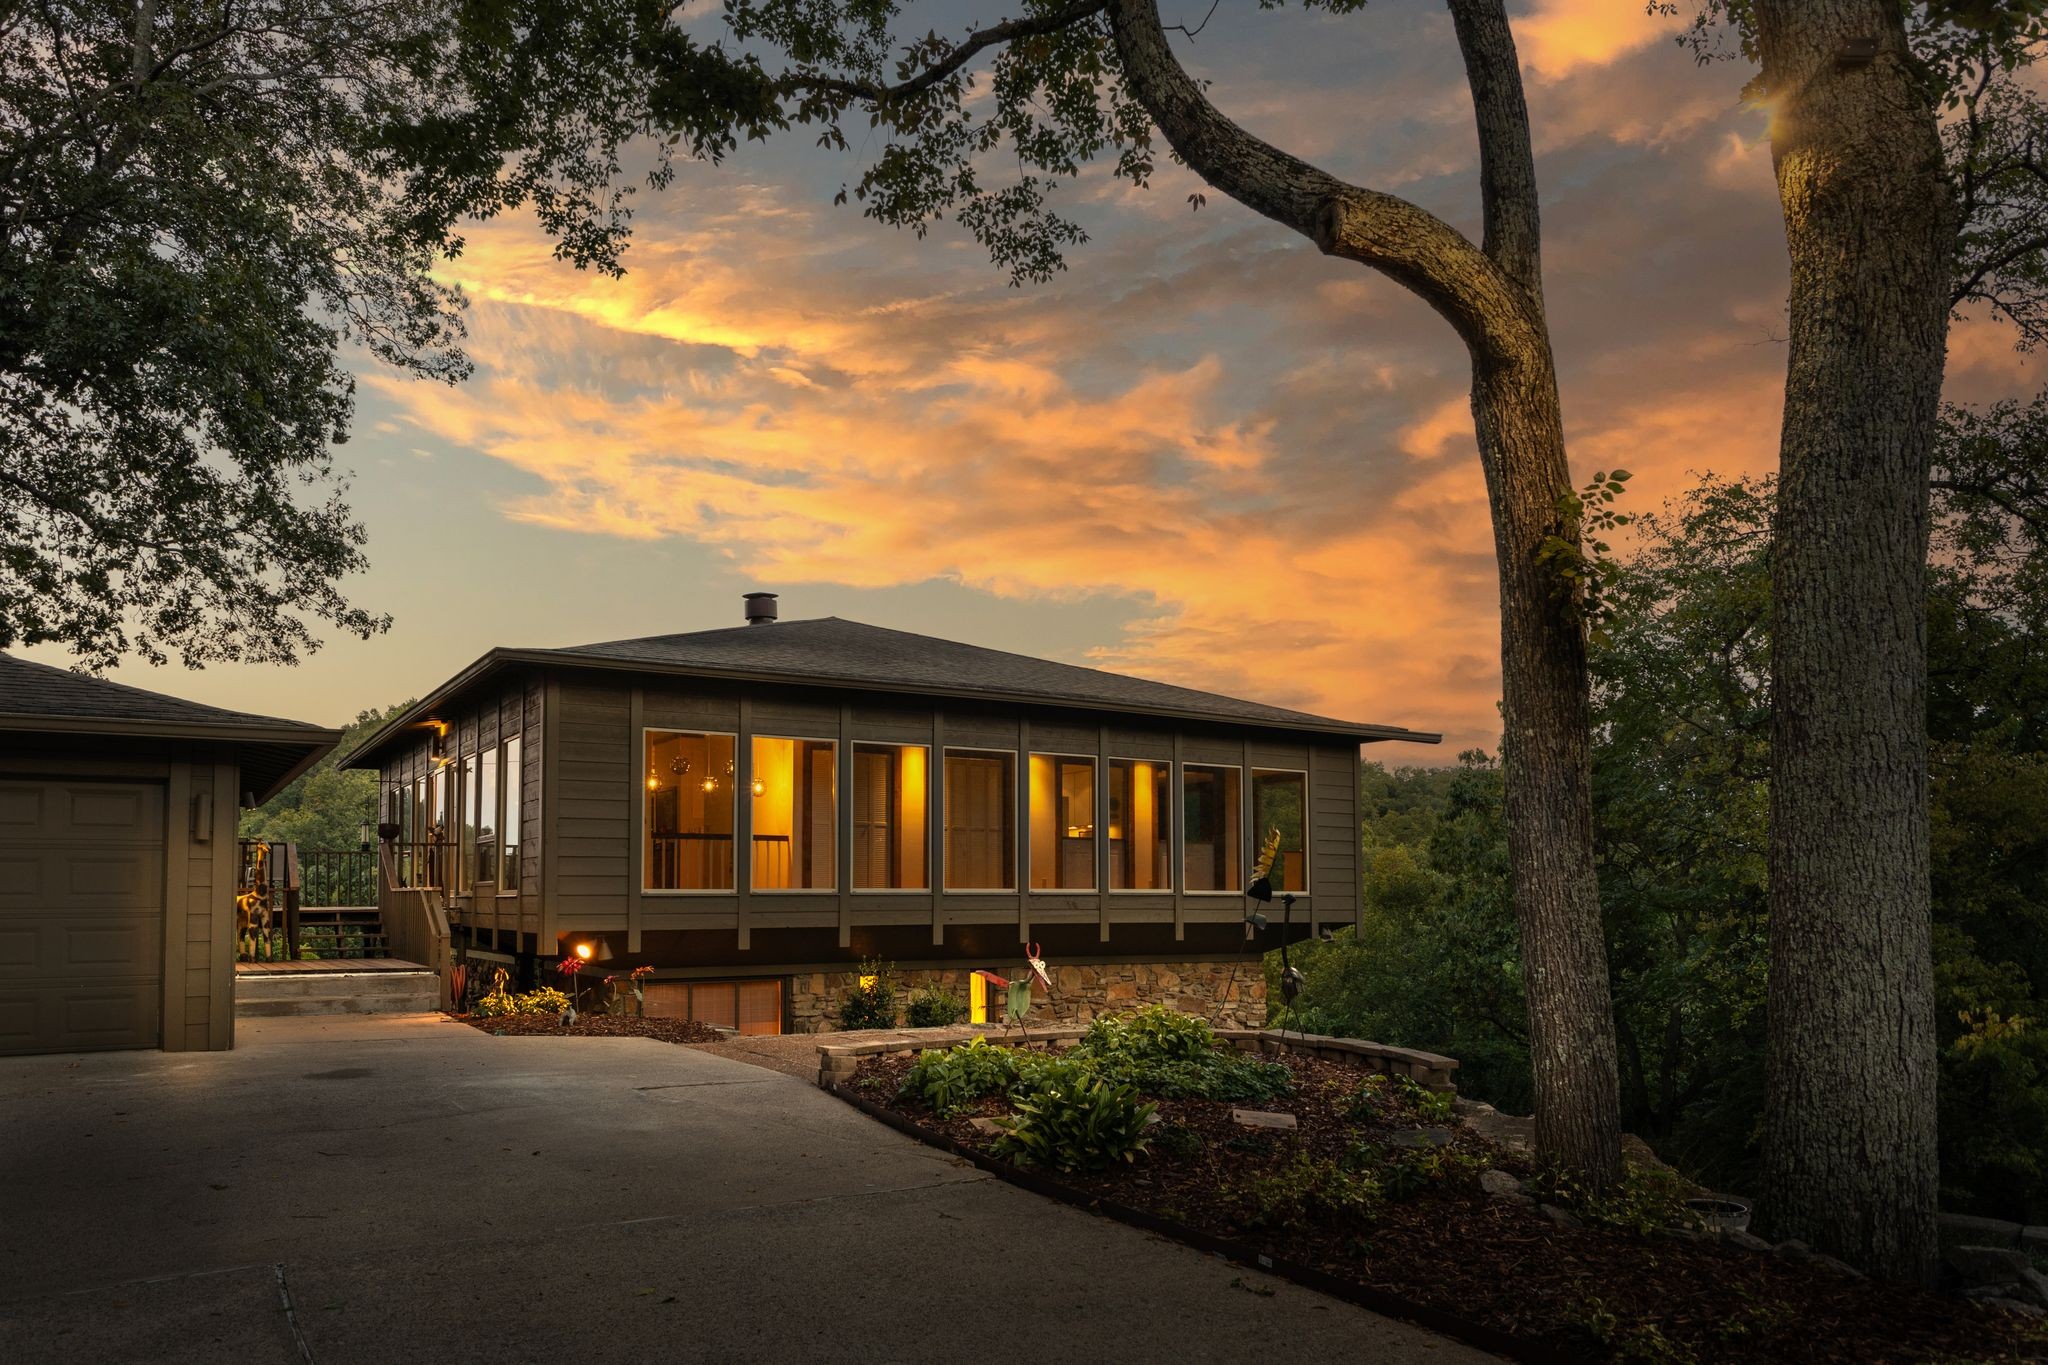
(1306, 1192)
(1163, 1052)
(546, 1000)
(1154, 1033)
(934, 1006)
(496, 1004)
(1385, 1097)
(871, 1003)
(1076, 1121)
(951, 1079)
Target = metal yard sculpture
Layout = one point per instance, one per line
(1017, 1002)
(1261, 890)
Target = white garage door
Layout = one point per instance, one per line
(81, 915)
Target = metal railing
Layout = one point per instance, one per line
(294, 904)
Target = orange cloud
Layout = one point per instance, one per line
(1561, 37)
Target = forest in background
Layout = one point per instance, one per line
(1681, 679)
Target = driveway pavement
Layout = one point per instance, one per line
(418, 1191)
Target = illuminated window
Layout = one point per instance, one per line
(465, 803)
(1212, 858)
(1062, 823)
(483, 814)
(889, 814)
(509, 826)
(981, 821)
(688, 782)
(1280, 801)
(795, 791)
(1140, 825)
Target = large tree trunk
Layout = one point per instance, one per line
(1849, 1131)
(1493, 297)
(1545, 750)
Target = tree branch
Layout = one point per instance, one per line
(957, 57)
(1507, 166)
(1401, 240)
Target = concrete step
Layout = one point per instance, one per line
(260, 995)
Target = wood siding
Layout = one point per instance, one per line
(583, 839)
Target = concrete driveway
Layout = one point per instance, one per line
(418, 1191)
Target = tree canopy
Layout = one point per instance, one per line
(207, 214)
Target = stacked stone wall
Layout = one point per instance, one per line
(1229, 994)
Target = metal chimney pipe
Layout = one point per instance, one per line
(760, 608)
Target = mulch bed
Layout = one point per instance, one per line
(594, 1026)
(1452, 1256)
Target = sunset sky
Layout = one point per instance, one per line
(1205, 453)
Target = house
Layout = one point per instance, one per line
(754, 811)
(118, 859)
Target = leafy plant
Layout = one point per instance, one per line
(1649, 1199)
(934, 1006)
(950, 1079)
(1309, 1191)
(871, 1001)
(1078, 1122)
(1583, 563)
(1166, 1053)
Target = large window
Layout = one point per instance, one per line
(1212, 859)
(981, 821)
(484, 813)
(889, 805)
(438, 841)
(1140, 825)
(689, 792)
(796, 814)
(465, 807)
(1062, 823)
(509, 822)
(1280, 801)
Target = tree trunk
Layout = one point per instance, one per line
(1849, 1128)
(1493, 297)
(1546, 757)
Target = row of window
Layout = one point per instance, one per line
(694, 783)
(460, 824)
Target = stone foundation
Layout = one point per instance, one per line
(1229, 994)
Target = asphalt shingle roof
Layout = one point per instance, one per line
(832, 650)
(29, 689)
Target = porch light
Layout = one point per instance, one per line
(363, 835)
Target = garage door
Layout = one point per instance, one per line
(81, 915)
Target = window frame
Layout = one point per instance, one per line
(640, 795)
(1095, 792)
(932, 790)
(513, 821)
(1180, 873)
(944, 823)
(1252, 836)
(838, 833)
(465, 785)
(1175, 866)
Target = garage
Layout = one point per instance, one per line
(118, 858)
(81, 915)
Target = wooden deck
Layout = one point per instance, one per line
(328, 964)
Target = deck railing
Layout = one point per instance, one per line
(296, 903)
